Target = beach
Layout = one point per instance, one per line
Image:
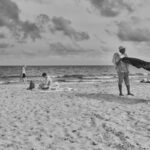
(62, 65)
(91, 117)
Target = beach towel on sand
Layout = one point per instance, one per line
(58, 90)
(138, 63)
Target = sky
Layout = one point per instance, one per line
(72, 32)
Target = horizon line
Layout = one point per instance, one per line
(53, 65)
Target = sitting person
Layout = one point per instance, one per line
(46, 82)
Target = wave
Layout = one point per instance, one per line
(78, 76)
(68, 78)
(84, 78)
(58, 78)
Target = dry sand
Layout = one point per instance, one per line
(93, 117)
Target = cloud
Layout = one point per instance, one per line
(5, 45)
(54, 49)
(60, 24)
(42, 22)
(8, 10)
(105, 49)
(133, 31)
(111, 8)
(9, 18)
(30, 29)
(61, 49)
(39, 1)
(2, 36)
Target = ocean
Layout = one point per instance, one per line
(11, 74)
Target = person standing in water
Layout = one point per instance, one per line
(23, 74)
(122, 70)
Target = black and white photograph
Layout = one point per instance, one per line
(74, 74)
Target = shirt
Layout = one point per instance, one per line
(121, 66)
(23, 70)
(47, 81)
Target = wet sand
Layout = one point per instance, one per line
(92, 117)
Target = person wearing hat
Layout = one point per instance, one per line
(122, 69)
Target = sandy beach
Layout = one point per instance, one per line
(92, 117)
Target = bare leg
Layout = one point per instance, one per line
(127, 83)
(120, 89)
(128, 90)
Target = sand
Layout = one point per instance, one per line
(92, 117)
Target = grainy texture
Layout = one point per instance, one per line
(93, 117)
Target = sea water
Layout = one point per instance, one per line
(65, 73)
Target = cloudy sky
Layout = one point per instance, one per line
(72, 32)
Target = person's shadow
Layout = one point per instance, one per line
(112, 98)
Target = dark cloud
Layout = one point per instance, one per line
(111, 8)
(2, 36)
(9, 18)
(30, 29)
(60, 24)
(42, 21)
(129, 31)
(5, 45)
(8, 11)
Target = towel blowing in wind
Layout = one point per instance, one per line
(138, 63)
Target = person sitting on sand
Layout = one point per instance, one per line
(46, 82)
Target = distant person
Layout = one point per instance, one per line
(146, 78)
(23, 73)
(122, 69)
(46, 82)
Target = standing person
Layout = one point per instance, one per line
(23, 74)
(122, 70)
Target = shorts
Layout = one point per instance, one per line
(23, 75)
(123, 76)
